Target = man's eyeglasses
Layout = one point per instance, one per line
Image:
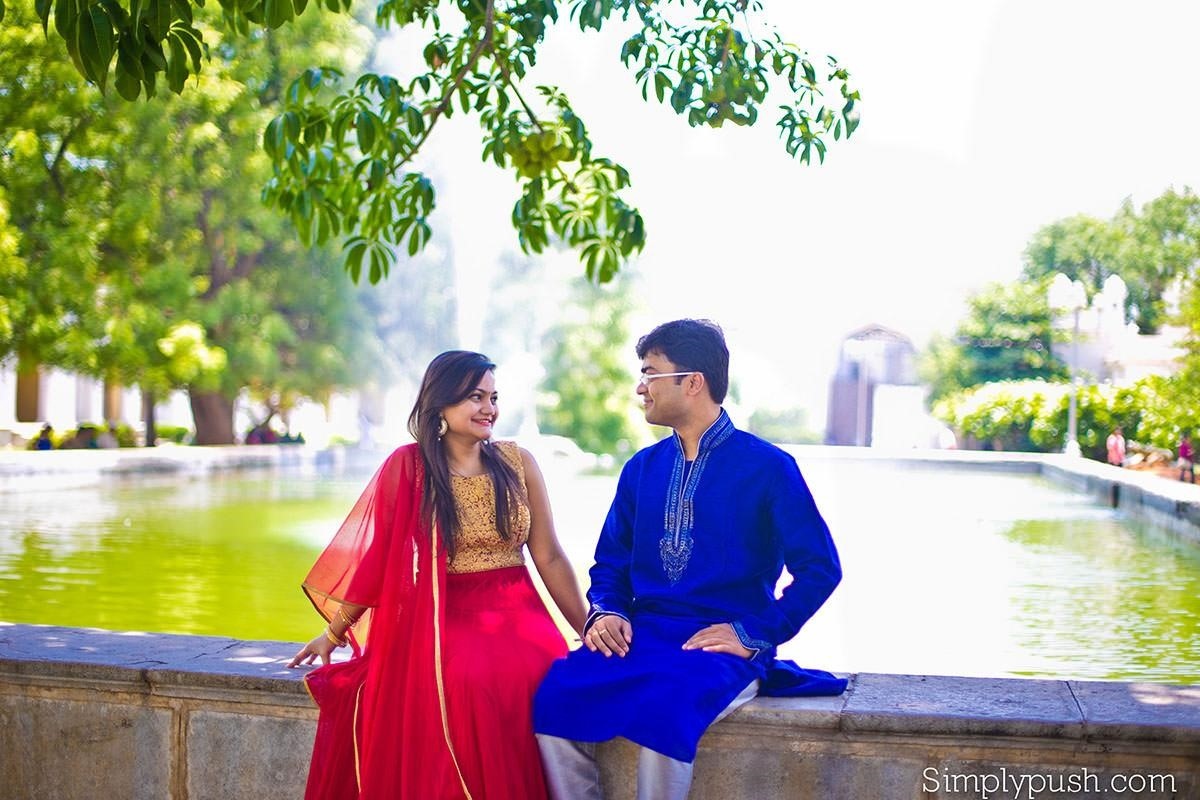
(646, 377)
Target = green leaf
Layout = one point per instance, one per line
(181, 11)
(128, 85)
(291, 126)
(377, 173)
(158, 17)
(661, 83)
(43, 7)
(177, 71)
(303, 226)
(128, 57)
(380, 259)
(65, 15)
(632, 48)
(417, 237)
(150, 78)
(321, 224)
(414, 120)
(153, 59)
(94, 40)
(277, 12)
(193, 43)
(364, 128)
(273, 138)
(1, 10)
(355, 248)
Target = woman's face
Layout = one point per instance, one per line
(474, 417)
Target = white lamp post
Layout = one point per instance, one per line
(1068, 295)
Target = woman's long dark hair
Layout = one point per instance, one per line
(449, 379)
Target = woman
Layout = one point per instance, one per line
(1186, 466)
(426, 580)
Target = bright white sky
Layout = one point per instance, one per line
(982, 121)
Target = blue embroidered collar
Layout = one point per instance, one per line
(676, 545)
(716, 433)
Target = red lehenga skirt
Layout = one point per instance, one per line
(498, 642)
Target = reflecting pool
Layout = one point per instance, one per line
(947, 571)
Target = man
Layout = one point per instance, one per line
(684, 620)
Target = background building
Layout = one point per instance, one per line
(875, 398)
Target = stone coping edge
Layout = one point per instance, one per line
(929, 705)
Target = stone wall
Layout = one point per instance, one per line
(96, 714)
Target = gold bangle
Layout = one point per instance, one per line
(346, 617)
(336, 641)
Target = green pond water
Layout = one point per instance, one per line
(946, 571)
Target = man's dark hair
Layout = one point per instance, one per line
(692, 345)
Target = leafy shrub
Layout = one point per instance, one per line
(179, 434)
(1033, 415)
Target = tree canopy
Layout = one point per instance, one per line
(588, 391)
(133, 242)
(1148, 248)
(1005, 335)
(342, 150)
(1006, 332)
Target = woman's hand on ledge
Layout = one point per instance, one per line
(320, 647)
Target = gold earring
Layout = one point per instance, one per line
(443, 426)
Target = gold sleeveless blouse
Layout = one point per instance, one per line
(479, 545)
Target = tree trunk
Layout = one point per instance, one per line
(148, 418)
(29, 390)
(113, 405)
(213, 415)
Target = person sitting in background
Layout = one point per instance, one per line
(44, 440)
(107, 440)
(262, 433)
(1116, 447)
(1186, 466)
(84, 438)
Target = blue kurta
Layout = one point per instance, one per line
(687, 545)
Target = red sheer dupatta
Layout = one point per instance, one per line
(382, 731)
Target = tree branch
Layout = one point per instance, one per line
(448, 95)
(61, 154)
(219, 271)
(537, 123)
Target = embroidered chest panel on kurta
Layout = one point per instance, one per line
(675, 547)
(479, 545)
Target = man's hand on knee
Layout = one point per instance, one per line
(718, 639)
(609, 634)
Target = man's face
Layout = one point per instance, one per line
(664, 400)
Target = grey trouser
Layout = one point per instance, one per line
(573, 774)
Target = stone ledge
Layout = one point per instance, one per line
(46, 651)
(925, 705)
(954, 706)
(88, 713)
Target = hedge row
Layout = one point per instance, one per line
(1032, 415)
